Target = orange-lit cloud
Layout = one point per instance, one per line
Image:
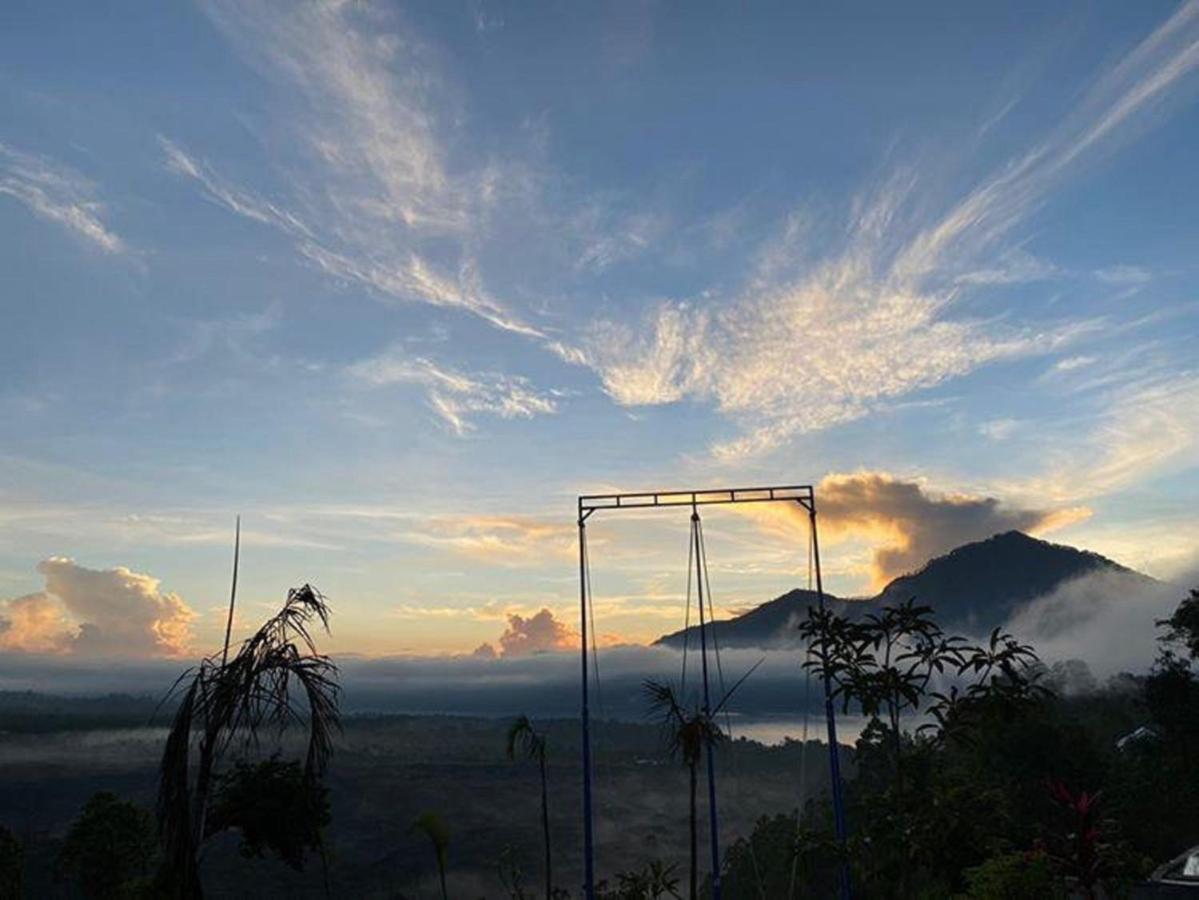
(96, 612)
(906, 523)
(35, 623)
(536, 634)
(542, 632)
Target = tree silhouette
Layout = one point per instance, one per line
(688, 732)
(1182, 628)
(431, 826)
(883, 663)
(524, 739)
(109, 847)
(655, 881)
(237, 700)
(274, 807)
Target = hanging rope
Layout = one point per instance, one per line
(687, 609)
(599, 697)
(703, 551)
(734, 761)
(803, 753)
(599, 766)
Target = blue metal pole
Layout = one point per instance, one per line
(713, 818)
(834, 754)
(588, 849)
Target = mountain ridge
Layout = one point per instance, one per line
(972, 589)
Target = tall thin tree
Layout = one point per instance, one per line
(689, 734)
(530, 743)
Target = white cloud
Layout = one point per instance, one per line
(232, 197)
(998, 429)
(94, 612)
(816, 336)
(1146, 427)
(1124, 274)
(383, 206)
(806, 354)
(457, 396)
(1070, 363)
(1015, 267)
(58, 194)
(812, 342)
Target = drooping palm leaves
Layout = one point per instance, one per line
(276, 679)
(524, 739)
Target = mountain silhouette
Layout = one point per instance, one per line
(971, 589)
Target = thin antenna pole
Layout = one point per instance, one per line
(232, 591)
(834, 754)
(588, 849)
(203, 816)
(713, 819)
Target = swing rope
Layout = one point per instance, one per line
(704, 573)
(803, 753)
(599, 698)
(687, 610)
(600, 767)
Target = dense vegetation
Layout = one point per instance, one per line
(1030, 790)
(1024, 781)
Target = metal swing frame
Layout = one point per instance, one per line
(589, 504)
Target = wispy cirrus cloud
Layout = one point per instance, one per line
(820, 338)
(806, 354)
(1070, 363)
(374, 199)
(1124, 274)
(509, 540)
(58, 194)
(1146, 426)
(232, 197)
(457, 396)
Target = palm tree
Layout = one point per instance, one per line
(688, 733)
(431, 825)
(239, 698)
(531, 744)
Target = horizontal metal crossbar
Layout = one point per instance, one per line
(797, 493)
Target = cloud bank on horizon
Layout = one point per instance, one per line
(398, 282)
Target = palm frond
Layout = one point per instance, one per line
(276, 679)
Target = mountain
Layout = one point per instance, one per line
(769, 625)
(972, 589)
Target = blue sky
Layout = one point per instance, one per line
(396, 282)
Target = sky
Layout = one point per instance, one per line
(397, 282)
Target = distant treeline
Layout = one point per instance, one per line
(29, 712)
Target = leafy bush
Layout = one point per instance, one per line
(110, 848)
(275, 807)
(1013, 876)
